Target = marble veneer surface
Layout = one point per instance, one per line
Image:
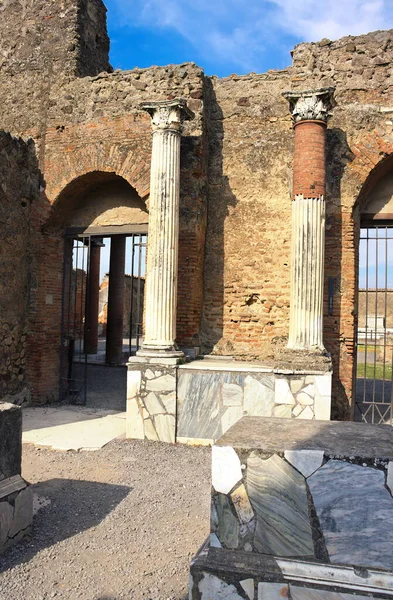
(318, 491)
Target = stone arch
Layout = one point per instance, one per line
(132, 164)
(74, 205)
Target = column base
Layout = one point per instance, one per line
(303, 360)
(159, 352)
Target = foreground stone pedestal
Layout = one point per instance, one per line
(16, 500)
(300, 510)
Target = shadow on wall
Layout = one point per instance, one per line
(219, 199)
(341, 347)
(73, 506)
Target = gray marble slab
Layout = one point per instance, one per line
(278, 495)
(355, 511)
(225, 525)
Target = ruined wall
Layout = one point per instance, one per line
(246, 302)
(93, 127)
(19, 186)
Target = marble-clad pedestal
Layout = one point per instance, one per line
(200, 400)
(300, 510)
(151, 399)
(16, 499)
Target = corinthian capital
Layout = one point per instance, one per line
(167, 114)
(311, 105)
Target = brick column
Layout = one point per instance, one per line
(162, 254)
(310, 113)
(93, 295)
(114, 327)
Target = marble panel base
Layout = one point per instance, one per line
(151, 399)
(300, 510)
(214, 397)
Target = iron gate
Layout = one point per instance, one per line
(374, 348)
(75, 362)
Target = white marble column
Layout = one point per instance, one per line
(308, 255)
(310, 112)
(163, 240)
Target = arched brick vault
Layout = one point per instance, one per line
(70, 155)
(371, 157)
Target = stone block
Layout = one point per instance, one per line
(10, 440)
(16, 511)
(295, 505)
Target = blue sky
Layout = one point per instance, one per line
(232, 36)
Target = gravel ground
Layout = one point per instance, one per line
(122, 522)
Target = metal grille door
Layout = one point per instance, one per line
(85, 372)
(373, 401)
(73, 358)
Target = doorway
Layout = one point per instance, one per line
(102, 314)
(374, 351)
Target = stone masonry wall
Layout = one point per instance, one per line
(94, 126)
(247, 264)
(19, 183)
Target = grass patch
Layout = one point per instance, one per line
(374, 372)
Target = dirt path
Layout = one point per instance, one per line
(122, 522)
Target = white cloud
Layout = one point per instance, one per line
(242, 33)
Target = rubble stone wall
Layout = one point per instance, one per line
(19, 183)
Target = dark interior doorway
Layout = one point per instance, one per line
(103, 294)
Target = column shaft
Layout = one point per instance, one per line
(93, 292)
(310, 112)
(114, 328)
(308, 250)
(162, 256)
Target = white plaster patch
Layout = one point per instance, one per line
(323, 397)
(305, 461)
(248, 587)
(272, 591)
(213, 588)
(165, 427)
(242, 504)
(232, 394)
(226, 469)
(283, 394)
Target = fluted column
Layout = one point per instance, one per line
(310, 113)
(162, 255)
